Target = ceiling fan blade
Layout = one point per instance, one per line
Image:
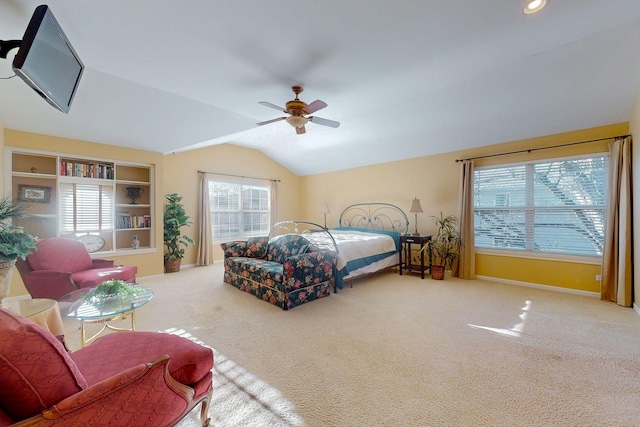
(314, 106)
(270, 105)
(301, 130)
(271, 121)
(324, 122)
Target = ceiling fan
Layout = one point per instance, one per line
(298, 111)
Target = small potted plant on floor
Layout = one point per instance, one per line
(14, 240)
(175, 242)
(444, 246)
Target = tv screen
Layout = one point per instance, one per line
(47, 62)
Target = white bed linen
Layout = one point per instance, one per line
(354, 244)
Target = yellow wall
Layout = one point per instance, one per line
(181, 176)
(148, 263)
(435, 181)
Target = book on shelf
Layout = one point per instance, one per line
(128, 220)
(86, 169)
(124, 220)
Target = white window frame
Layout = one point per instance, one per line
(529, 209)
(241, 211)
(76, 224)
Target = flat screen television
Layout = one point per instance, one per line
(47, 62)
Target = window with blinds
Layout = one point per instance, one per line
(554, 207)
(239, 210)
(86, 207)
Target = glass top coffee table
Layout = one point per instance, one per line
(104, 310)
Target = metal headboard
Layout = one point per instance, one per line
(375, 216)
(302, 227)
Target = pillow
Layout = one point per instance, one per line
(36, 370)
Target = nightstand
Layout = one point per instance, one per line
(409, 245)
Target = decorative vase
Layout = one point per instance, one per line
(6, 272)
(133, 193)
(135, 242)
(172, 265)
(437, 272)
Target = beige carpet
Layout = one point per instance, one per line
(401, 351)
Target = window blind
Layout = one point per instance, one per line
(86, 207)
(239, 210)
(550, 207)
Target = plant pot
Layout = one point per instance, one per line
(6, 271)
(437, 272)
(172, 265)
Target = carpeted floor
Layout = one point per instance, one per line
(401, 351)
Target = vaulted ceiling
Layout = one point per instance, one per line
(404, 78)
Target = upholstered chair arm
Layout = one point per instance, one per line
(234, 249)
(307, 269)
(102, 263)
(48, 283)
(145, 395)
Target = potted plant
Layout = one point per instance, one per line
(444, 246)
(175, 242)
(14, 241)
(111, 293)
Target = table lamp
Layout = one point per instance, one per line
(415, 208)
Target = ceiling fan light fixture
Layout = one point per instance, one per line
(534, 6)
(297, 121)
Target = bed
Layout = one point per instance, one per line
(367, 239)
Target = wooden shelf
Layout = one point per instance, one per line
(32, 167)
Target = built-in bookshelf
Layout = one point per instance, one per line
(86, 169)
(48, 181)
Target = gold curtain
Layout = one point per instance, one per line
(467, 258)
(205, 242)
(617, 262)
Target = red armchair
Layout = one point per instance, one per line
(122, 379)
(60, 266)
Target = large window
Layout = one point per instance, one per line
(239, 210)
(86, 207)
(554, 207)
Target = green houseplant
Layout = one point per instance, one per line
(14, 240)
(109, 289)
(444, 246)
(175, 242)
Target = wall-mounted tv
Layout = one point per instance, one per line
(47, 62)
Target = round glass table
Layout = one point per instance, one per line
(103, 310)
(42, 311)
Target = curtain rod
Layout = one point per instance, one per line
(541, 148)
(240, 176)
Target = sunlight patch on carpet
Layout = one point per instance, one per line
(516, 330)
(240, 397)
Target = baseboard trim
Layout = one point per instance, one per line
(636, 308)
(539, 286)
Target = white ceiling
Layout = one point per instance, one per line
(404, 78)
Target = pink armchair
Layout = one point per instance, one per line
(122, 379)
(60, 266)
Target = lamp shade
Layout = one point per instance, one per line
(324, 209)
(297, 121)
(415, 206)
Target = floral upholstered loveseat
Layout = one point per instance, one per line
(287, 270)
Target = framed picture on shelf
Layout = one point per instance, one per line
(34, 193)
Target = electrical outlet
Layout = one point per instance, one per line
(598, 277)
